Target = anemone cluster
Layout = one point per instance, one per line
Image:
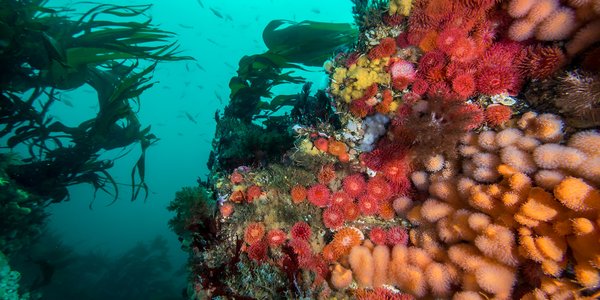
(443, 180)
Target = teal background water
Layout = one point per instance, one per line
(179, 158)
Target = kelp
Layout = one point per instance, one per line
(48, 51)
(307, 42)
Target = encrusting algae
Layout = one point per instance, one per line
(441, 182)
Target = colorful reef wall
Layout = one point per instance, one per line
(455, 154)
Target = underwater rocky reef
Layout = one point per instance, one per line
(455, 154)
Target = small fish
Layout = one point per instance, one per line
(219, 97)
(229, 65)
(212, 41)
(228, 17)
(200, 2)
(216, 12)
(180, 134)
(185, 26)
(166, 87)
(187, 67)
(66, 101)
(190, 117)
(315, 10)
(200, 86)
(200, 66)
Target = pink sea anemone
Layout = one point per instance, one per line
(301, 230)
(318, 195)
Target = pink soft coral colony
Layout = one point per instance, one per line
(452, 185)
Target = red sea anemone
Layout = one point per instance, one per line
(420, 86)
(258, 251)
(386, 48)
(276, 237)
(340, 198)
(464, 85)
(496, 115)
(378, 236)
(542, 61)
(254, 232)
(301, 230)
(393, 20)
(397, 236)
(379, 188)
(354, 185)
(318, 195)
(236, 177)
(321, 144)
(447, 39)
(433, 59)
(464, 50)
(301, 248)
(333, 217)
(351, 211)
(498, 80)
(359, 108)
(368, 205)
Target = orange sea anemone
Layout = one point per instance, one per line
(298, 194)
(346, 238)
(386, 48)
(326, 174)
(368, 205)
(254, 232)
(226, 209)
(252, 193)
(336, 148)
(351, 211)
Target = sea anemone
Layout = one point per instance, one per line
(368, 205)
(321, 144)
(236, 177)
(378, 236)
(386, 210)
(419, 86)
(496, 115)
(254, 232)
(333, 217)
(340, 198)
(298, 194)
(386, 48)
(318, 195)
(464, 85)
(379, 188)
(258, 251)
(351, 211)
(542, 61)
(226, 210)
(276, 237)
(493, 81)
(354, 185)
(301, 230)
(252, 193)
(326, 174)
(397, 235)
(346, 238)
